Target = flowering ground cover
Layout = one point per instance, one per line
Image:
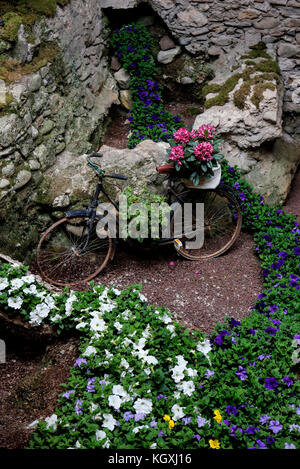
(132, 45)
(142, 381)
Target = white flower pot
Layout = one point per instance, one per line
(205, 182)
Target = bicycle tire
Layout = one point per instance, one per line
(220, 208)
(60, 257)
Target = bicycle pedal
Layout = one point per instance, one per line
(178, 244)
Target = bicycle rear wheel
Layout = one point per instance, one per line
(221, 223)
(66, 255)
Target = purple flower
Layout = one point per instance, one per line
(67, 394)
(197, 437)
(271, 330)
(128, 415)
(102, 383)
(187, 420)
(201, 421)
(139, 416)
(231, 409)
(209, 373)
(242, 196)
(251, 430)
(270, 440)
(153, 424)
(242, 373)
(263, 419)
(271, 383)
(79, 362)
(252, 331)
(236, 185)
(231, 169)
(261, 444)
(275, 426)
(273, 308)
(78, 407)
(288, 381)
(90, 386)
(161, 433)
(289, 446)
(297, 250)
(161, 396)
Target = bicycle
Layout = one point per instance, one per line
(71, 252)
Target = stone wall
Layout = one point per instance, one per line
(62, 105)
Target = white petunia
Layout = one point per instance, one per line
(81, 325)
(204, 347)
(16, 283)
(177, 374)
(146, 333)
(51, 421)
(114, 401)
(100, 435)
(124, 363)
(69, 303)
(35, 319)
(151, 360)
(90, 350)
(56, 318)
(166, 319)
(97, 325)
(147, 371)
(15, 303)
(137, 429)
(28, 278)
(143, 298)
(119, 390)
(118, 326)
(170, 328)
(42, 310)
(177, 412)
(32, 290)
(125, 314)
(33, 424)
(116, 291)
(187, 387)
(49, 301)
(3, 283)
(181, 361)
(143, 406)
(191, 373)
(109, 422)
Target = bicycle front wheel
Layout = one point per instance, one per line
(69, 253)
(221, 223)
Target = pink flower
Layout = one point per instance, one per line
(205, 131)
(203, 151)
(176, 154)
(182, 135)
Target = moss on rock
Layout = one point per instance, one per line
(260, 73)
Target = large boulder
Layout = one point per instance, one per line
(250, 124)
(71, 181)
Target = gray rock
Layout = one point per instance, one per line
(4, 46)
(288, 50)
(187, 81)
(166, 43)
(167, 56)
(268, 22)
(46, 127)
(23, 177)
(115, 65)
(4, 183)
(191, 17)
(34, 82)
(10, 127)
(34, 165)
(123, 78)
(8, 170)
(61, 201)
(214, 51)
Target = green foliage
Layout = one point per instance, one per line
(133, 46)
(144, 209)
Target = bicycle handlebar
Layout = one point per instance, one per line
(99, 170)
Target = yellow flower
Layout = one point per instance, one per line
(218, 416)
(167, 418)
(171, 424)
(214, 444)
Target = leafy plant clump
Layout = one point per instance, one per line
(146, 214)
(142, 381)
(149, 120)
